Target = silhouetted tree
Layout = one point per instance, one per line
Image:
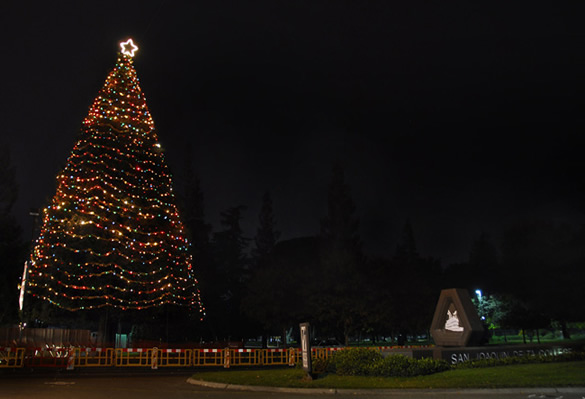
(483, 263)
(12, 249)
(542, 267)
(415, 286)
(480, 271)
(230, 245)
(406, 247)
(193, 209)
(231, 275)
(192, 205)
(282, 288)
(518, 314)
(340, 304)
(260, 297)
(266, 234)
(340, 228)
(381, 319)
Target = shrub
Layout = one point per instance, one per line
(392, 366)
(368, 362)
(402, 366)
(319, 365)
(427, 366)
(354, 361)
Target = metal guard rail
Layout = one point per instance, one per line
(11, 357)
(154, 358)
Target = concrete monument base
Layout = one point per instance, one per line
(455, 355)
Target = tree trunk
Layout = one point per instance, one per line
(565, 330)
(104, 327)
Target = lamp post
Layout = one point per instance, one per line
(34, 213)
(479, 304)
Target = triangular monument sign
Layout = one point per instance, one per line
(456, 322)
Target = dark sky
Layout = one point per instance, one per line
(462, 117)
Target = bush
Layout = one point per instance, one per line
(392, 366)
(402, 366)
(354, 361)
(368, 362)
(319, 365)
(427, 366)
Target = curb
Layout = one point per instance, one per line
(260, 388)
(334, 391)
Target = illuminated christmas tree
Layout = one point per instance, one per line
(112, 236)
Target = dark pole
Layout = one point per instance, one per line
(34, 212)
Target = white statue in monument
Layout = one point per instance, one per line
(452, 323)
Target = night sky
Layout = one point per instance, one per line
(463, 117)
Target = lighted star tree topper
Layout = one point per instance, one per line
(112, 235)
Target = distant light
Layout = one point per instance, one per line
(128, 48)
(478, 293)
(157, 145)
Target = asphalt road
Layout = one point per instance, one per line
(175, 386)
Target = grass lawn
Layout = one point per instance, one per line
(523, 375)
